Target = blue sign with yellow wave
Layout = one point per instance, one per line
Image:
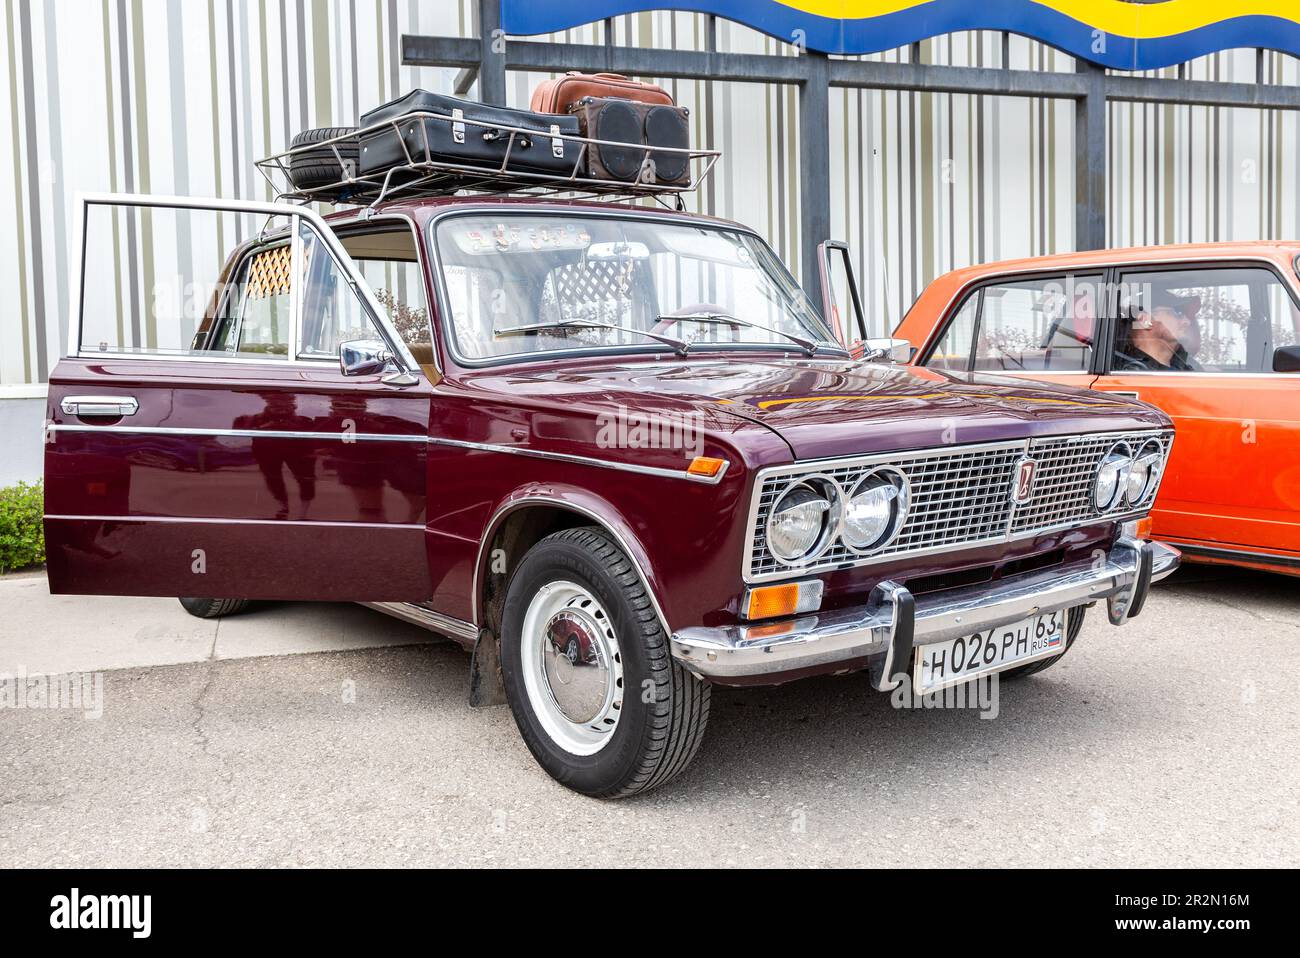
(1111, 33)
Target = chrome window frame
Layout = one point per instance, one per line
(364, 222)
(649, 347)
(297, 215)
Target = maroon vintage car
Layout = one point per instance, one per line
(614, 451)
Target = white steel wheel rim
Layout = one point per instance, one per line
(572, 667)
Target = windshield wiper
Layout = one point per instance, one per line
(726, 319)
(680, 345)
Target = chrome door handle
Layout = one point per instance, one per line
(106, 407)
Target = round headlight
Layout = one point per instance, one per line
(1142, 474)
(1112, 478)
(803, 519)
(875, 511)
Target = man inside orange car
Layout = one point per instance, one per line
(1163, 338)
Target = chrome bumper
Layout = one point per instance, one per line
(894, 621)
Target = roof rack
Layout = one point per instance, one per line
(424, 175)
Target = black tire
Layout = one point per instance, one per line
(1073, 626)
(653, 742)
(314, 169)
(214, 608)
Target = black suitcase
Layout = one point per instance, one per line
(480, 144)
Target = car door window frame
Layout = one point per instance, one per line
(298, 216)
(1111, 326)
(936, 339)
(1100, 330)
(392, 221)
(227, 302)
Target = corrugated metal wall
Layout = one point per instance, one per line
(180, 96)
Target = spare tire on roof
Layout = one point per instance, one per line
(315, 169)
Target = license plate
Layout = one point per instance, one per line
(950, 663)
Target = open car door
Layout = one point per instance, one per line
(202, 436)
(840, 285)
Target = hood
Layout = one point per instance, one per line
(831, 408)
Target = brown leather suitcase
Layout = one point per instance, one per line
(557, 96)
(638, 124)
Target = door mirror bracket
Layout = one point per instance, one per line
(886, 350)
(401, 379)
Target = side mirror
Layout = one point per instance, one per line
(364, 357)
(1286, 359)
(886, 350)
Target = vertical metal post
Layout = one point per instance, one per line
(492, 69)
(814, 162)
(1090, 160)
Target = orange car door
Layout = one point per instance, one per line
(1233, 480)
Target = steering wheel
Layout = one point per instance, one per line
(669, 320)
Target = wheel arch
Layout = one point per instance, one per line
(530, 515)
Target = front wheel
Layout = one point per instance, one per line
(1073, 626)
(595, 691)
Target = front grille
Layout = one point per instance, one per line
(960, 497)
(1063, 486)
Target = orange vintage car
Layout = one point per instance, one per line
(1208, 333)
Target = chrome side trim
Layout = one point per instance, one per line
(515, 504)
(241, 433)
(238, 522)
(585, 460)
(1227, 554)
(427, 619)
(854, 634)
(378, 437)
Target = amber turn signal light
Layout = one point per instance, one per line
(774, 601)
(1138, 528)
(705, 468)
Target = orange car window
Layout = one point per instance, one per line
(1202, 320)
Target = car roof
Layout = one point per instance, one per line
(1127, 255)
(424, 209)
(944, 291)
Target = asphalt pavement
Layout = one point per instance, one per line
(320, 735)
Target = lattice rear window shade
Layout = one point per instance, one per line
(271, 272)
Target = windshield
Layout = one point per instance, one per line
(536, 283)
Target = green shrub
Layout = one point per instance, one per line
(22, 532)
